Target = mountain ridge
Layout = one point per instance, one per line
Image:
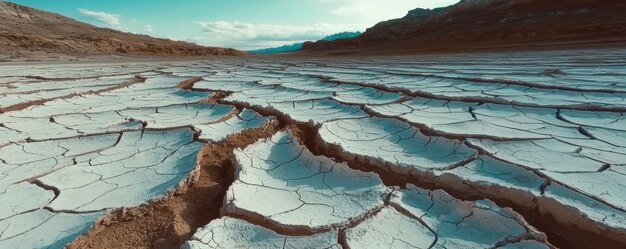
(297, 46)
(25, 31)
(491, 23)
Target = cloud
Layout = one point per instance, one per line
(102, 17)
(116, 21)
(334, 16)
(148, 28)
(250, 35)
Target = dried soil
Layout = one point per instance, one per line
(169, 222)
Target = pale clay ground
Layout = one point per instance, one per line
(539, 130)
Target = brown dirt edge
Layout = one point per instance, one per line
(307, 135)
(294, 230)
(173, 219)
(188, 84)
(565, 226)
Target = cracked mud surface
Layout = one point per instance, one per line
(453, 151)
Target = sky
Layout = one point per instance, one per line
(241, 24)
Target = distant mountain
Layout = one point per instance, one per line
(26, 30)
(297, 46)
(472, 24)
(342, 35)
(282, 49)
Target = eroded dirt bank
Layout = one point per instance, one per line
(169, 222)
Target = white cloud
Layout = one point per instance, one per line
(117, 22)
(251, 36)
(102, 17)
(334, 16)
(148, 28)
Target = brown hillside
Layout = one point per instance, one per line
(28, 30)
(493, 23)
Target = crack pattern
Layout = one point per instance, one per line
(301, 191)
(545, 137)
(230, 232)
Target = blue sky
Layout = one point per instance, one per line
(242, 24)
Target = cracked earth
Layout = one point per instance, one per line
(516, 150)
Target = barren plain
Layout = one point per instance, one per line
(484, 150)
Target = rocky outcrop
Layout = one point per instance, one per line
(391, 29)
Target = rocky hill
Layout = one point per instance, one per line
(493, 23)
(298, 46)
(25, 31)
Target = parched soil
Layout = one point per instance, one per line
(169, 222)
